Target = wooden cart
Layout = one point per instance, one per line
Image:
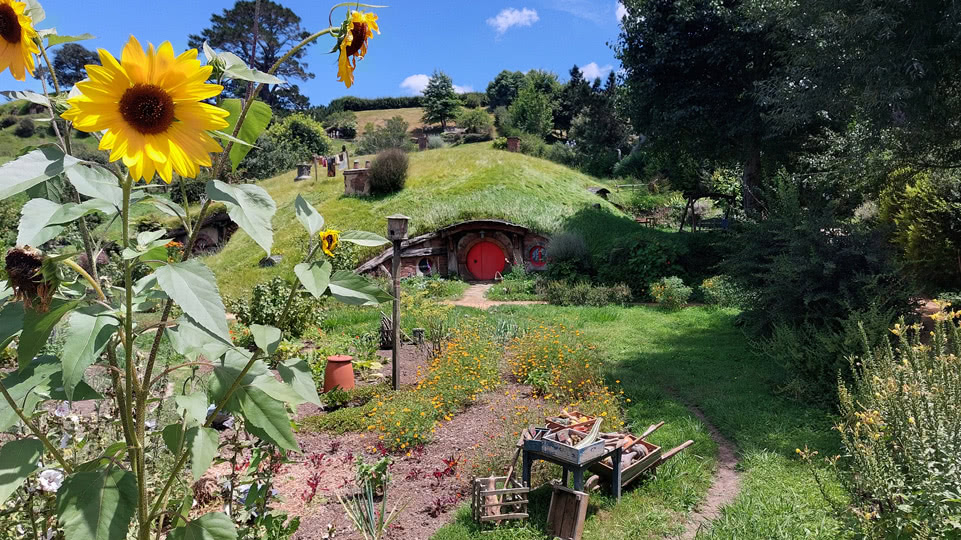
(655, 458)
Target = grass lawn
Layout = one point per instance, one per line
(444, 186)
(696, 356)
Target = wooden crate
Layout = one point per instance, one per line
(566, 515)
(568, 454)
(497, 504)
(636, 468)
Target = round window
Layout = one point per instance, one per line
(424, 266)
(538, 256)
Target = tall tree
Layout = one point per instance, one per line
(598, 132)
(502, 91)
(278, 31)
(68, 63)
(532, 112)
(693, 68)
(441, 102)
(573, 99)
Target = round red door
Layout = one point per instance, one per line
(485, 260)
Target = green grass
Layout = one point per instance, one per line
(444, 187)
(695, 355)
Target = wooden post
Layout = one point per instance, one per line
(395, 320)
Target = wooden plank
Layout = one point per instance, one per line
(674, 451)
(566, 514)
(423, 252)
(508, 491)
(504, 517)
(505, 503)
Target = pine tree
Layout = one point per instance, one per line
(441, 102)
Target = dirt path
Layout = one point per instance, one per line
(475, 297)
(724, 486)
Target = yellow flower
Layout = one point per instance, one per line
(357, 29)
(17, 45)
(150, 104)
(328, 241)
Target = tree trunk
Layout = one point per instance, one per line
(751, 180)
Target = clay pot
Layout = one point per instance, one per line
(339, 372)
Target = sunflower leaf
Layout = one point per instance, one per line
(315, 277)
(193, 286)
(255, 123)
(93, 180)
(34, 217)
(212, 526)
(37, 326)
(363, 238)
(97, 505)
(35, 11)
(356, 290)
(32, 97)
(18, 460)
(87, 336)
(33, 168)
(54, 39)
(250, 206)
(308, 216)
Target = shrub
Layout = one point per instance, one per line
(88, 153)
(344, 121)
(196, 189)
(7, 121)
(388, 172)
(25, 128)
(473, 138)
(266, 303)
(901, 416)
(475, 121)
(532, 145)
(393, 134)
(642, 259)
(568, 257)
(435, 141)
(271, 157)
(304, 137)
(561, 153)
(722, 291)
(808, 271)
(351, 103)
(500, 143)
(671, 292)
(583, 293)
(633, 165)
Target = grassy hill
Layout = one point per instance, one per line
(411, 115)
(444, 186)
(11, 144)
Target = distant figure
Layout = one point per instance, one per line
(331, 168)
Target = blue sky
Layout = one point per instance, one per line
(471, 40)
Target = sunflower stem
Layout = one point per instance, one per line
(35, 430)
(83, 273)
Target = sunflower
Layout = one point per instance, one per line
(149, 103)
(17, 35)
(328, 241)
(358, 28)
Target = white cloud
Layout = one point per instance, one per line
(511, 17)
(584, 9)
(415, 85)
(593, 71)
(620, 10)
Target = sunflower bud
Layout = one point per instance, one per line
(219, 66)
(24, 270)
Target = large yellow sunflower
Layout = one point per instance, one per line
(149, 103)
(17, 35)
(353, 44)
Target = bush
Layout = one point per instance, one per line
(473, 138)
(271, 157)
(561, 153)
(722, 291)
(88, 153)
(633, 165)
(266, 303)
(500, 143)
(435, 141)
(671, 292)
(304, 137)
(475, 121)
(25, 128)
(808, 270)
(568, 257)
(351, 103)
(643, 258)
(196, 189)
(388, 172)
(345, 122)
(532, 145)
(583, 293)
(7, 121)
(392, 134)
(901, 416)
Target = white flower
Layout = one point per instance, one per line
(150, 424)
(62, 410)
(51, 480)
(65, 440)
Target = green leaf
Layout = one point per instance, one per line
(250, 206)
(11, 321)
(95, 181)
(97, 505)
(35, 11)
(33, 168)
(191, 340)
(18, 460)
(255, 123)
(363, 238)
(193, 407)
(193, 286)
(266, 337)
(356, 290)
(173, 436)
(32, 97)
(34, 217)
(308, 216)
(39, 381)
(212, 526)
(37, 326)
(296, 373)
(228, 137)
(169, 207)
(54, 40)
(87, 336)
(315, 276)
(258, 376)
(201, 442)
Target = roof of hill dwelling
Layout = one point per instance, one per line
(486, 224)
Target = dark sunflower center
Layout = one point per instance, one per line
(9, 24)
(359, 35)
(147, 108)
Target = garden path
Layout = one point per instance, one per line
(476, 297)
(725, 484)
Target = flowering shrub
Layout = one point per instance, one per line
(562, 366)
(723, 292)
(900, 421)
(671, 292)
